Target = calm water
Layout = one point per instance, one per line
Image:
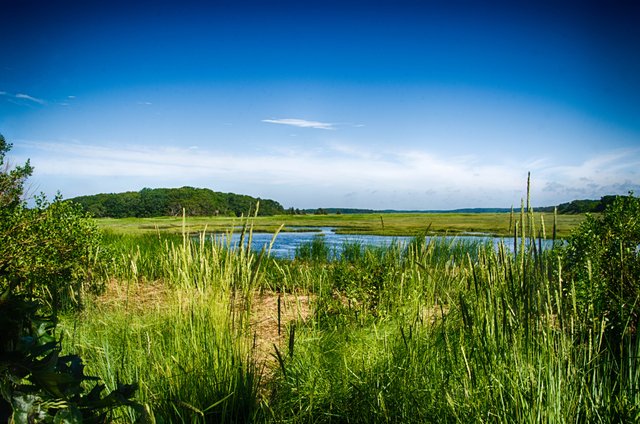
(286, 242)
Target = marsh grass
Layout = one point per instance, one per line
(433, 331)
(457, 340)
(190, 352)
(455, 332)
(393, 224)
(315, 250)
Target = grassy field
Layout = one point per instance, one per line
(396, 224)
(430, 332)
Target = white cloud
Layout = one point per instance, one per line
(350, 150)
(302, 123)
(605, 168)
(31, 98)
(338, 169)
(614, 172)
(390, 178)
(22, 96)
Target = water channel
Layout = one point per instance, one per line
(286, 243)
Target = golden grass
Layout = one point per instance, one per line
(265, 327)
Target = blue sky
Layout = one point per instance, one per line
(400, 105)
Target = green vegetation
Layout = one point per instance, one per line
(603, 258)
(172, 201)
(581, 206)
(45, 265)
(438, 330)
(434, 331)
(397, 224)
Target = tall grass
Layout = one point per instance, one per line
(436, 330)
(179, 328)
(450, 332)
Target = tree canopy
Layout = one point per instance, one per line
(11, 180)
(171, 201)
(582, 206)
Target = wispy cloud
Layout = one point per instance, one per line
(387, 179)
(614, 172)
(606, 168)
(301, 123)
(31, 98)
(22, 96)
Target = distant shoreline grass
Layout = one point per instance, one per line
(390, 224)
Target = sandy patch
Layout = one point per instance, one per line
(268, 330)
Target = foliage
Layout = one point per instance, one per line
(176, 322)
(581, 206)
(47, 252)
(432, 331)
(171, 201)
(44, 254)
(37, 383)
(603, 258)
(315, 250)
(11, 180)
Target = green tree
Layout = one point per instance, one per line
(171, 201)
(11, 180)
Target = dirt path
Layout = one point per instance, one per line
(266, 328)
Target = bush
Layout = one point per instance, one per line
(603, 259)
(47, 252)
(44, 261)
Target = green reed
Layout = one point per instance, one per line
(455, 333)
(181, 329)
(434, 330)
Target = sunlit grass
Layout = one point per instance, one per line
(436, 330)
(393, 224)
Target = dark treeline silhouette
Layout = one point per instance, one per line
(582, 206)
(171, 201)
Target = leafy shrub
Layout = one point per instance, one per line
(47, 252)
(37, 383)
(603, 259)
(44, 259)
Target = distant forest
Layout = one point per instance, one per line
(581, 206)
(204, 202)
(573, 207)
(170, 202)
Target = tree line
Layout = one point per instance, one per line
(582, 206)
(171, 201)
